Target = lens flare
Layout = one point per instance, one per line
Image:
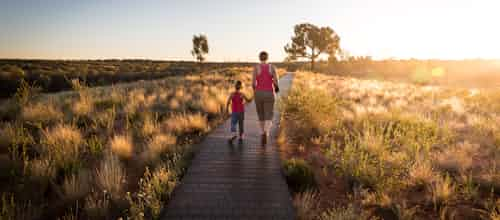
(438, 72)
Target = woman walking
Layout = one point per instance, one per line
(265, 84)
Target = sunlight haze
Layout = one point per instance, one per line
(238, 30)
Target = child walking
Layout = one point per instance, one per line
(237, 101)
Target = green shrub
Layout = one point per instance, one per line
(155, 187)
(299, 175)
(313, 113)
(95, 145)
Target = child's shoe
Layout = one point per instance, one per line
(232, 139)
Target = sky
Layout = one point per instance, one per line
(237, 30)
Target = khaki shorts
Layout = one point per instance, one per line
(264, 101)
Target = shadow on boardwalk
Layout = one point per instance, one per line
(238, 181)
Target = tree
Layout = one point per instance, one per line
(200, 47)
(311, 41)
(344, 55)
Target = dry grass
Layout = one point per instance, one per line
(305, 204)
(442, 191)
(122, 146)
(186, 123)
(421, 174)
(341, 213)
(62, 144)
(174, 104)
(150, 127)
(158, 146)
(41, 113)
(96, 205)
(458, 158)
(419, 145)
(154, 187)
(7, 134)
(84, 106)
(63, 136)
(110, 177)
(76, 186)
(42, 169)
(115, 131)
(14, 209)
(211, 105)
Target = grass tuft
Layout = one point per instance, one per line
(186, 123)
(305, 204)
(62, 144)
(110, 177)
(122, 146)
(299, 175)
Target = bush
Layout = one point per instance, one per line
(312, 111)
(155, 187)
(122, 146)
(299, 175)
(186, 124)
(10, 78)
(62, 144)
(12, 72)
(40, 113)
(110, 177)
(76, 186)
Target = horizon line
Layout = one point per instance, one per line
(240, 60)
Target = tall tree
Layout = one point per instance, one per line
(200, 47)
(311, 41)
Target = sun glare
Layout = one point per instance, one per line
(438, 72)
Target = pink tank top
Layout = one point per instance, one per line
(264, 78)
(237, 102)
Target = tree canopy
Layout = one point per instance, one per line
(200, 47)
(311, 41)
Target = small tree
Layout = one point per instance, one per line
(200, 47)
(311, 41)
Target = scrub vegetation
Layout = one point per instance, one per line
(106, 152)
(387, 150)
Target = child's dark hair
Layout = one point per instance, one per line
(263, 56)
(238, 85)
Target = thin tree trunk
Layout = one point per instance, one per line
(312, 63)
(312, 59)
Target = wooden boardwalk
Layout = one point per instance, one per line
(239, 181)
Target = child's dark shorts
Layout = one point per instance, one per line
(237, 118)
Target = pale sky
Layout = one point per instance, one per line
(237, 30)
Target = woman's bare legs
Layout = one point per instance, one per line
(265, 126)
(262, 125)
(268, 126)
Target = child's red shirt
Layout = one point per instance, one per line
(237, 102)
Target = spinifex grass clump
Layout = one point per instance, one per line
(390, 149)
(106, 152)
(299, 175)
